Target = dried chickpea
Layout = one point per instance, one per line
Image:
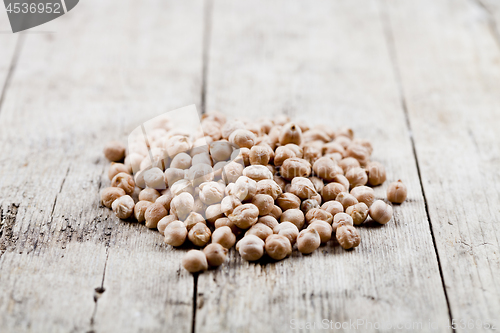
(358, 212)
(341, 219)
(295, 216)
(326, 169)
(155, 178)
(287, 229)
(341, 179)
(177, 144)
(244, 188)
(297, 150)
(154, 213)
(290, 133)
(264, 203)
(312, 153)
(260, 230)
(318, 214)
(332, 190)
(250, 247)
(116, 168)
(348, 163)
(164, 222)
(397, 192)
(308, 241)
(318, 183)
(302, 187)
(211, 192)
(364, 143)
(257, 172)
(140, 209)
(231, 126)
(356, 177)
(224, 236)
(124, 181)
(181, 161)
(268, 220)
(114, 151)
(202, 158)
(295, 167)
(333, 147)
(211, 129)
(199, 234)
(110, 194)
(276, 212)
(316, 134)
(182, 205)
(244, 216)
(221, 150)
(281, 154)
(195, 261)
(308, 204)
(200, 173)
(149, 194)
(242, 154)
(216, 254)
(347, 236)
(123, 207)
(323, 228)
(376, 173)
(288, 201)
(172, 175)
(380, 212)
(260, 155)
(232, 171)
(333, 207)
(343, 141)
(364, 194)
(175, 233)
(229, 203)
(278, 247)
(359, 152)
(242, 138)
(346, 199)
(193, 219)
(165, 199)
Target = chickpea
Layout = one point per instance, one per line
(359, 152)
(302, 187)
(332, 190)
(242, 138)
(364, 194)
(341, 179)
(213, 212)
(140, 209)
(323, 228)
(287, 229)
(309, 204)
(242, 154)
(164, 222)
(195, 261)
(281, 154)
(316, 134)
(155, 178)
(165, 199)
(312, 153)
(182, 205)
(326, 169)
(116, 168)
(244, 188)
(318, 214)
(356, 177)
(269, 187)
(133, 163)
(224, 236)
(268, 220)
(177, 144)
(318, 183)
(202, 158)
(333, 207)
(110, 194)
(250, 247)
(231, 126)
(244, 216)
(260, 230)
(276, 212)
(114, 151)
(295, 216)
(364, 143)
(193, 219)
(358, 212)
(348, 163)
(216, 254)
(346, 199)
(264, 203)
(229, 203)
(200, 173)
(232, 171)
(290, 133)
(124, 181)
(260, 155)
(154, 213)
(221, 150)
(278, 247)
(149, 194)
(341, 219)
(175, 233)
(295, 167)
(181, 161)
(333, 147)
(211, 129)
(288, 201)
(257, 172)
(347, 236)
(380, 212)
(172, 175)
(397, 192)
(297, 150)
(308, 241)
(376, 173)
(199, 234)
(123, 207)
(211, 192)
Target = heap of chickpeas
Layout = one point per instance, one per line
(267, 186)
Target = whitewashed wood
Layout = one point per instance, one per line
(8, 42)
(450, 68)
(325, 62)
(107, 67)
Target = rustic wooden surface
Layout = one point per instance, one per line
(418, 79)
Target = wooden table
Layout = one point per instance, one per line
(420, 79)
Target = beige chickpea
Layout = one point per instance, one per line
(332, 190)
(199, 234)
(165, 199)
(172, 175)
(333, 147)
(260, 155)
(376, 173)
(244, 216)
(154, 213)
(216, 254)
(241, 155)
(213, 212)
(264, 203)
(341, 219)
(250, 247)
(290, 133)
(242, 138)
(221, 150)
(348, 237)
(302, 187)
(326, 169)
(133, 162)
(276, 212)
(278, 247)
(216, 116)
(359, 152)
(232, 171)
(257, 172)
(195, 261)
(224, 236)
(287, 229)
(211, 192)
(114, 151)
(288, 201)
(295, 167)
(229, 203)
(323, 228)
(356, 177)
(308, 241)
(333, 207)
(155, 178)
(244, 188)
(231, 126)
(318, 183)
(318, 214)
(260, 230)
(193, 219)
(346, 199)
(364, 143)
(116, 168)
(177, 144)
(308, 204)
(140, 209)
(297, 150)
(175, 233)
(200, 173)
(281, 154)
(124, 181)
(123, 207)
(182, 205)
(348, 163)
(219, 170)
(380, 212)
(312, 153)
(316, 134)
(364, 194)
(397, 192)
(202, 158)
(268, 220)
(226, 222)
(343, 141)
(341, 179)
(110, 194)
(296, 216)
(212, 129)
(358, 212)
(269, 187)
(149, 194)
(181, 161)
(164, 222)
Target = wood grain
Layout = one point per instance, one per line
(324, 62)
(449, 59)
(104, 70)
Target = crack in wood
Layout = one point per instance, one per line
(98, 292)
(8, 219)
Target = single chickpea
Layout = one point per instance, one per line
(123, 207)
(221, 150)
(308, 241)
(397, 192)
(172, 175)
(356, 177)
(287, 229)
(364, 194)
(116, 168)
(295, 216)
(358, 212)
(312, 153)
(308, 204)
(110, 194)
(199, 234)
(216, 254)
(229, 203)
(154, 213)
(326, 169)
(317, 198)
(348, 163)
(346, 199)
(202, 158)
(332, 190)
(213, 212)
(318, 214)
(242, 138)
(260, 230)
(182, 205)
(288, 201)
(149, 194)
(323, 228)
(193, 219)
(359, 152)
(316, 134)
(281, 154)
(244, 188)
(290, 133)
(297, 150)
(376, 173)
(380, 212)
(269, 187)
(341, 219)
(140, 209)
(232, 171)
(333, 207)
(364, 143)
(318, 183)
(244, 216)
(341, 179)
(212, 129)
(260, 155)
(195, 261)
(124, 181)
(211, 192)
(175, 233)
(181, 161)
(257, 172)
(224, 236)
(278, 247)
(347, 236)
(164, 222)
(155, 178)
(268, 220)
(114, 151)
(343, 141)
(177, 144)
(264, 203)
(295, 167)
(276, 212)
(302, 187)
(250, 247)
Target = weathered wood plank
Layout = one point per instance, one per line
(104, 70)
(325, 62)
(8, 42)
(449, 59)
